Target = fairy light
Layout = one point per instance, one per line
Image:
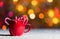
(15, 0)
(55, 20)
(41, 15)
(1, 4)
(50, 1)
(32, 16)
(30, 11)
(51, 13)
(4, 27)
(19, 7)
(34, 2)
(56, 10)
(25, 9)
(49, 22)
(10, 14)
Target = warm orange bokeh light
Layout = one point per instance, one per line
(25, 9)
(49, 22)
(20, 8)
(15, 1)
(4, 27)
(25, 0)
(41, 15)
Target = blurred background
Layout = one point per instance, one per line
(42, 14)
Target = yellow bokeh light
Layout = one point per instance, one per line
(50, 1)
(30, 11)
(41, 15)
(20, 7)
(32, 16)
(55, 20)
(15, 1)
(51, 13)
(34, 2)
(4, 27)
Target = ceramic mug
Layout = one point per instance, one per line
(17, 26)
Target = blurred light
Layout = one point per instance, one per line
(25, 9)
(15, 1)
(55, 20)
(32, 16)
(41, 15)
(51, 13)
(34, 2)
(30, 11)
(49, 22)
(4, 27)
(50, 1)
(25, 0)
(56, 10)
(1, 4)
(10, 14)
(19, 7)
(38, 0)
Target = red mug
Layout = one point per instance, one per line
(17, 26)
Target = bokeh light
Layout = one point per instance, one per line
(10, 14)
(25, 9)
(32, 16)
(50, 1)
(51, 13)
(55, 20)
(56, 10)
(4, 27)
(19, 7)
(1, 4)
(30, 11)
(49, 22)
(41, 16)
(15, 1)
(34, 2)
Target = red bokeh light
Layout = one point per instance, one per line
(1, 4)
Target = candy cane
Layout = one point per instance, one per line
(6, 20)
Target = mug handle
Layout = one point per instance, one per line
(6, 20)
(30, 27)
